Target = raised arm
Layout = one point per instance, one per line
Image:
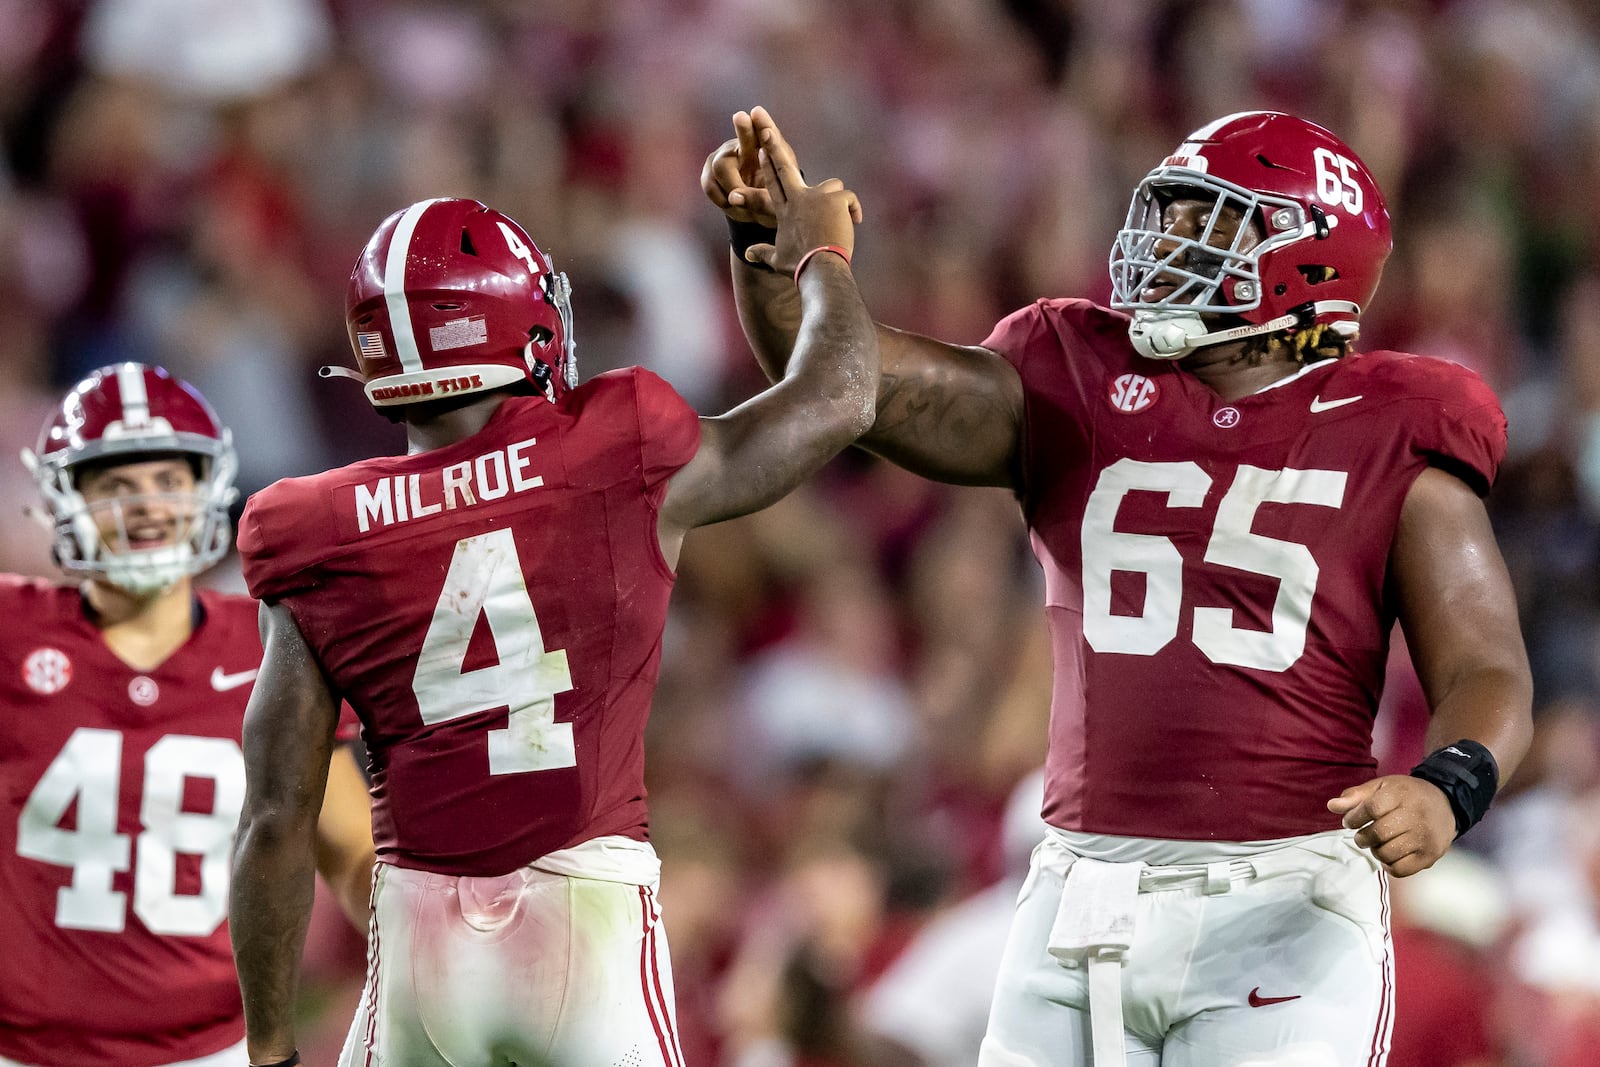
(946, 412)
(1460, 619)
(288, 740)
(759, 451)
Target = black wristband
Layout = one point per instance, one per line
(741, 235)
(1467, 773)
(292, 1061)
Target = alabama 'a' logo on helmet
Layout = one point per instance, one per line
(451, 297)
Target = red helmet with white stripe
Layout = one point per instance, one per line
(453, 297)
(130, 413)
(1314, 254)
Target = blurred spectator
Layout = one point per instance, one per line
(830, 691)
(933, 1001)
(1447, 924)
(1556, 959)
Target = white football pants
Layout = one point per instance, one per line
(1280, 959)
(529, 968)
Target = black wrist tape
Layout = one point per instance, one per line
(1467, 773)
(292, 1061)
(741, 235)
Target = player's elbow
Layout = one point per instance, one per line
(273, 829)
(862, 417)
(853, 405)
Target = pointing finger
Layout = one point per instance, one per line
(748, 157)
(777, 148)
(778, 180)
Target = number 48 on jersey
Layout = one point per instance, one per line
(88, 771)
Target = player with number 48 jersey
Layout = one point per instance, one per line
(121, 775)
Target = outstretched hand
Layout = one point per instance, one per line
(754, 178)
(732, 177)
(806, 216)
(1406, 822)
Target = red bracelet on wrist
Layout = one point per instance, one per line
(838, 250)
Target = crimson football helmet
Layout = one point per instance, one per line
(1319, 217)
(130, 413)
(453, 297)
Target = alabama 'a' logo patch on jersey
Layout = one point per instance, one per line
(143, 691)
(46, 670)
(1132, 393)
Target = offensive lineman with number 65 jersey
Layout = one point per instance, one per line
(492, 605)
(121, 779)
(1232, 508)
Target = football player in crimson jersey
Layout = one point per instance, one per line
(492, 605)
(121, 776)
(1232, 508)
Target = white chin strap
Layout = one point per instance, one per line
(150, 571)
(1174, 334)
(1169, 335)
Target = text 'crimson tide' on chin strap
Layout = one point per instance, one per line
(1165, 335)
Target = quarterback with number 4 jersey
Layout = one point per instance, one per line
(1232, 509)
(481, 593)
(492, 605)
(121, 775)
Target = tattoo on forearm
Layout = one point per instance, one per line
(914, 413)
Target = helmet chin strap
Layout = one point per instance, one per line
(1174, 334)
(1168, 335)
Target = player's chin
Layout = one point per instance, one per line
(148, 544)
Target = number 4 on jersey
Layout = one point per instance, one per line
(485, 581)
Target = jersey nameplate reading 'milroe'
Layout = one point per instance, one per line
(404, 497)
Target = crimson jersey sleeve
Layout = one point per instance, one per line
(1058, 341)
(1455, 419)
(1016, 335)
(670, 429)
(275, 565)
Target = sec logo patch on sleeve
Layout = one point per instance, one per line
(47, 670)
(1132, 393)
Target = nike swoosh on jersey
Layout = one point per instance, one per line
(1319, 404)
(222, 682)
(1259, 1001)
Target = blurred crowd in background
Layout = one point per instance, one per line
(855, 681)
